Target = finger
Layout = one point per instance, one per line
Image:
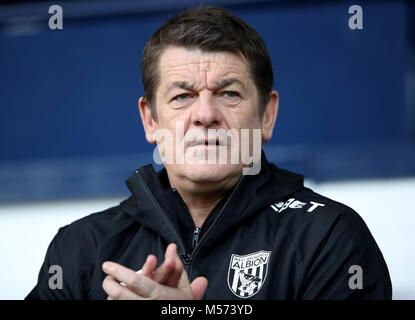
(140, 284)
(149, 266)
(174, 279)
(171, 251)
(116, 291)
(118, 271)
(163, 273)
(199, 286)
(167, 268)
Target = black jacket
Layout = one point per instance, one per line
(269, 238)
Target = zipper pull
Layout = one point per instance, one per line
(187, 259)
(196, 233)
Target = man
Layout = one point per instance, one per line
(232, 227)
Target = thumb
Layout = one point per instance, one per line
(199, 286)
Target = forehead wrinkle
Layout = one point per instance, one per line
(207, 62)
(216, 82)
(202, 69)
(204, 62)
(240, 76)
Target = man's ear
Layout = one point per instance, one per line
(149, 123)
(270, 116)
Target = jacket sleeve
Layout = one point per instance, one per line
(345, 263)
(65, 272)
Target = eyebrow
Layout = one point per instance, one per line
(180, 84)
(218, 85)
(227, 82)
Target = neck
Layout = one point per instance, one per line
(201, 198)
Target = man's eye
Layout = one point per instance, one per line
(231, 94)
(182, 96)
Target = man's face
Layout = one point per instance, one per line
(198, 92)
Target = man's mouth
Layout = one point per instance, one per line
(207, 143)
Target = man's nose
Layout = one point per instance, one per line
(205, 111)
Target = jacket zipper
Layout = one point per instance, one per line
(198, 243)
(186, 257)
(197, 230)
(196, 233)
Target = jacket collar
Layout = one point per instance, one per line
(151, 204)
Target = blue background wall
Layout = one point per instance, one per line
(69, 124)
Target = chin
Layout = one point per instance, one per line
(211, 172)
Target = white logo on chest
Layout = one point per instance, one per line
(295, 204)
(247, 273)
